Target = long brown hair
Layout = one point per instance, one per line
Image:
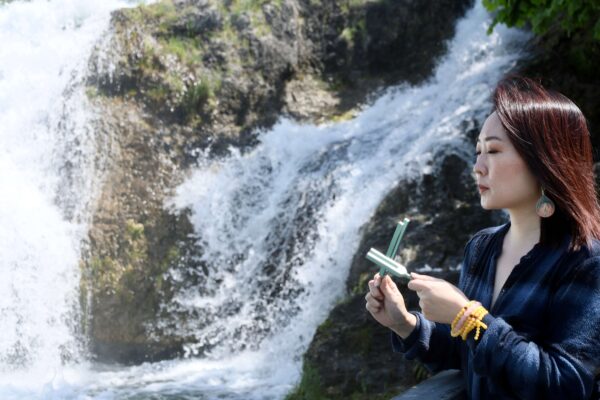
(550, 133)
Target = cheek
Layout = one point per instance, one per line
(512, 170)
(515, 177)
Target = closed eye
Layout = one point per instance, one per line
(489, 152)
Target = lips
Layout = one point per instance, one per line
(482, 188)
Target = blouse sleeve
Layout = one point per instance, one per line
(564, 364)
(431, 342)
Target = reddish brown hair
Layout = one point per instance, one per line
(550, 133)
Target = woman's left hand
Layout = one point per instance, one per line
(440, 300)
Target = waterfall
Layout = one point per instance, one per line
(49, 177)
(278, 224)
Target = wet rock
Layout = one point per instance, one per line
(180, 79)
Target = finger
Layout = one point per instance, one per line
(388, 287)
(375, 291)
(370, 308)
(421, 304)
(423, 277)
(374, 303)
(417, 285)
(377, 280)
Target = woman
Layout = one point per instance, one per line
(524, 321)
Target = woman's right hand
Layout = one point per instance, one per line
(386, 305)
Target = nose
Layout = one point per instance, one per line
(479, 168)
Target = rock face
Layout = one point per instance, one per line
(182, 78)
(350, 352)
(350, 355)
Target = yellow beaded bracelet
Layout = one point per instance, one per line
(458, 326)
(457, 318)
(473, 321)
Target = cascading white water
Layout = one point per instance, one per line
(279, 225)
(48, 176)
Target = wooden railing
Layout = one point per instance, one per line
(446, 385)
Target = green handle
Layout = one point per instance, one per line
(394, 244)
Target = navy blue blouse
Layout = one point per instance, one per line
(543, 336)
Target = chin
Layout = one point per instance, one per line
(487, 206)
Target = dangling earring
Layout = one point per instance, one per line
(544, 207)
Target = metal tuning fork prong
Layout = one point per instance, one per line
(386, 262)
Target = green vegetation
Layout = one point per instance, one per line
(568, 16)
(309, 387)
(187, 50)
(355, 33)
(177, 68)
(91, 91)
(347, 5)
(572, 25)
(361, 339)
(162, 13)
(172, 75)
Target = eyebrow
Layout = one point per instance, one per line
(487, 139)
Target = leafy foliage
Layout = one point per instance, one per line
(567, 16)
(569, 28)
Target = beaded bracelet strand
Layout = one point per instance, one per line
(475, 321)
(459, 326)
(469, 318)
(458, 317)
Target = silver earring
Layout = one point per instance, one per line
(544, 207)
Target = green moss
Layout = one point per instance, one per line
(134, 230)
(361, 339)
(347, 5)
(160, 10)
(158, 94)
(361, 286)
(325, 328)
(355, 33)
(105, 272)
(196, 96)
(360, 29)
(250, 8)
(261, 28)
(187, 50)
(163, 11)
(91, 92)
(243, 6)
(148, 61)
(309, 387)
(178, 46)
(348, 115)
(347, 35)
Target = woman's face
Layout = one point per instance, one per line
(503, 178)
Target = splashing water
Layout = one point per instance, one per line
(279, 224)
(48, 175)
